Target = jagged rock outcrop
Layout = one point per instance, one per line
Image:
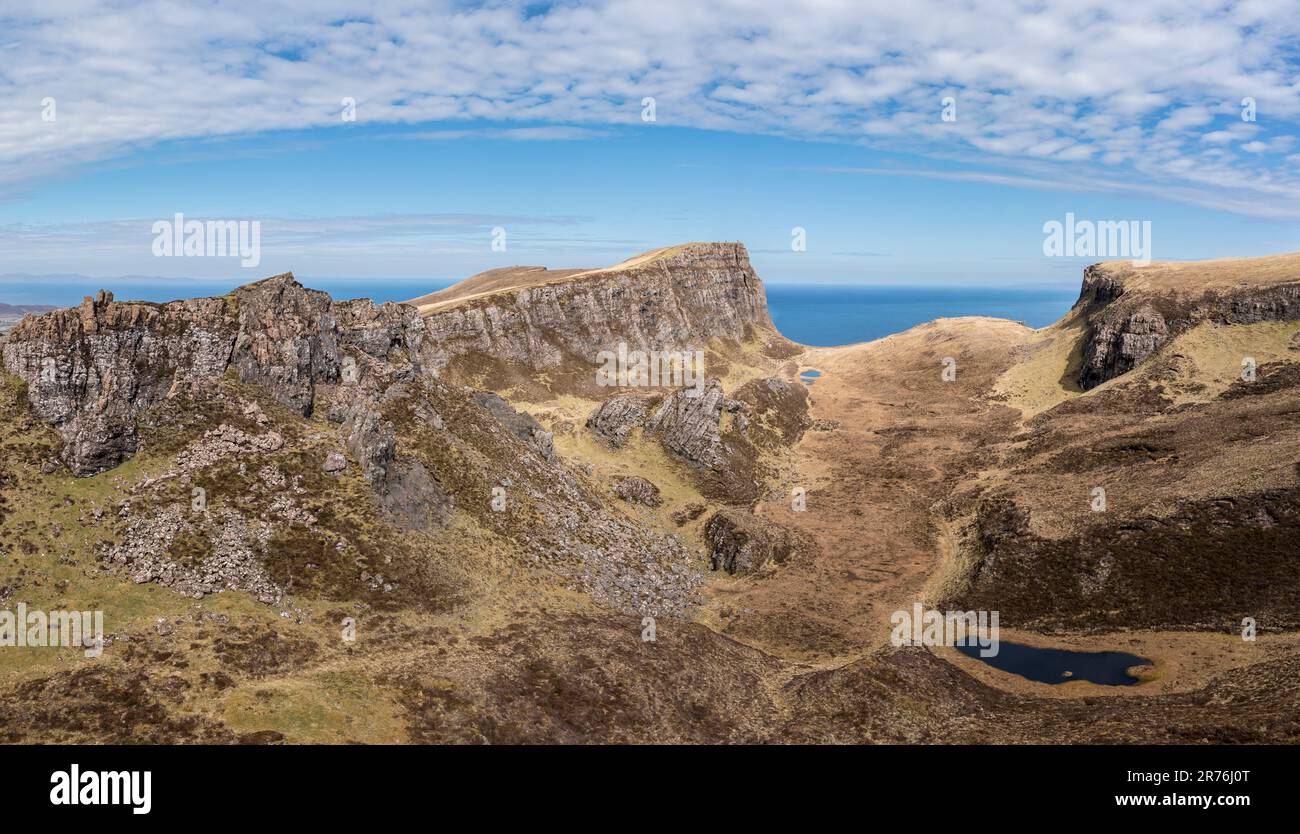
(371, 440)
(688, 422)
(1120, 343)
(91, 370)
(768, 412)
(678, 298)
(1130, 312)
(288, 340)
(616, 418)
(405, 488)
(520, 424)
(745, 544)
(381, 331)
(412, 497)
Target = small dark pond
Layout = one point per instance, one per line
(809, 376)
(1061, 665)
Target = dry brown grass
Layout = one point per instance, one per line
(1197, 276)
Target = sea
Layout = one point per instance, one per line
(825, 315)
(822, 315)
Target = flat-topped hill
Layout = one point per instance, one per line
(676, 298)
(502, 279)
(1130, 311)
(1198, 276)
(509, 279)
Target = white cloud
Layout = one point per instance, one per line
(1141, 88)
(1185, 117)
(1278, 144)
(325, 245)
(544, 133)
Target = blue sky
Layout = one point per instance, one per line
(429, 207)
(529, 118)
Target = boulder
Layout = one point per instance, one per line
(688, 425)
(637, 490)
(743, 543)
(617, 416)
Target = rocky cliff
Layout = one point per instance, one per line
(92, 369)
(1131, 311)
(677, 298)
(270, 398)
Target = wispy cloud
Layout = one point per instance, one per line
(415, 243)
(543, 133)
(1127, 95)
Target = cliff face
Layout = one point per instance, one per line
(1129, 315)
(91, 370)
(275, 392)
(677, 298)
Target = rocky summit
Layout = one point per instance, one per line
(313, 520)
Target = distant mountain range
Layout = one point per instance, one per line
(77, 277)
(24, 309)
